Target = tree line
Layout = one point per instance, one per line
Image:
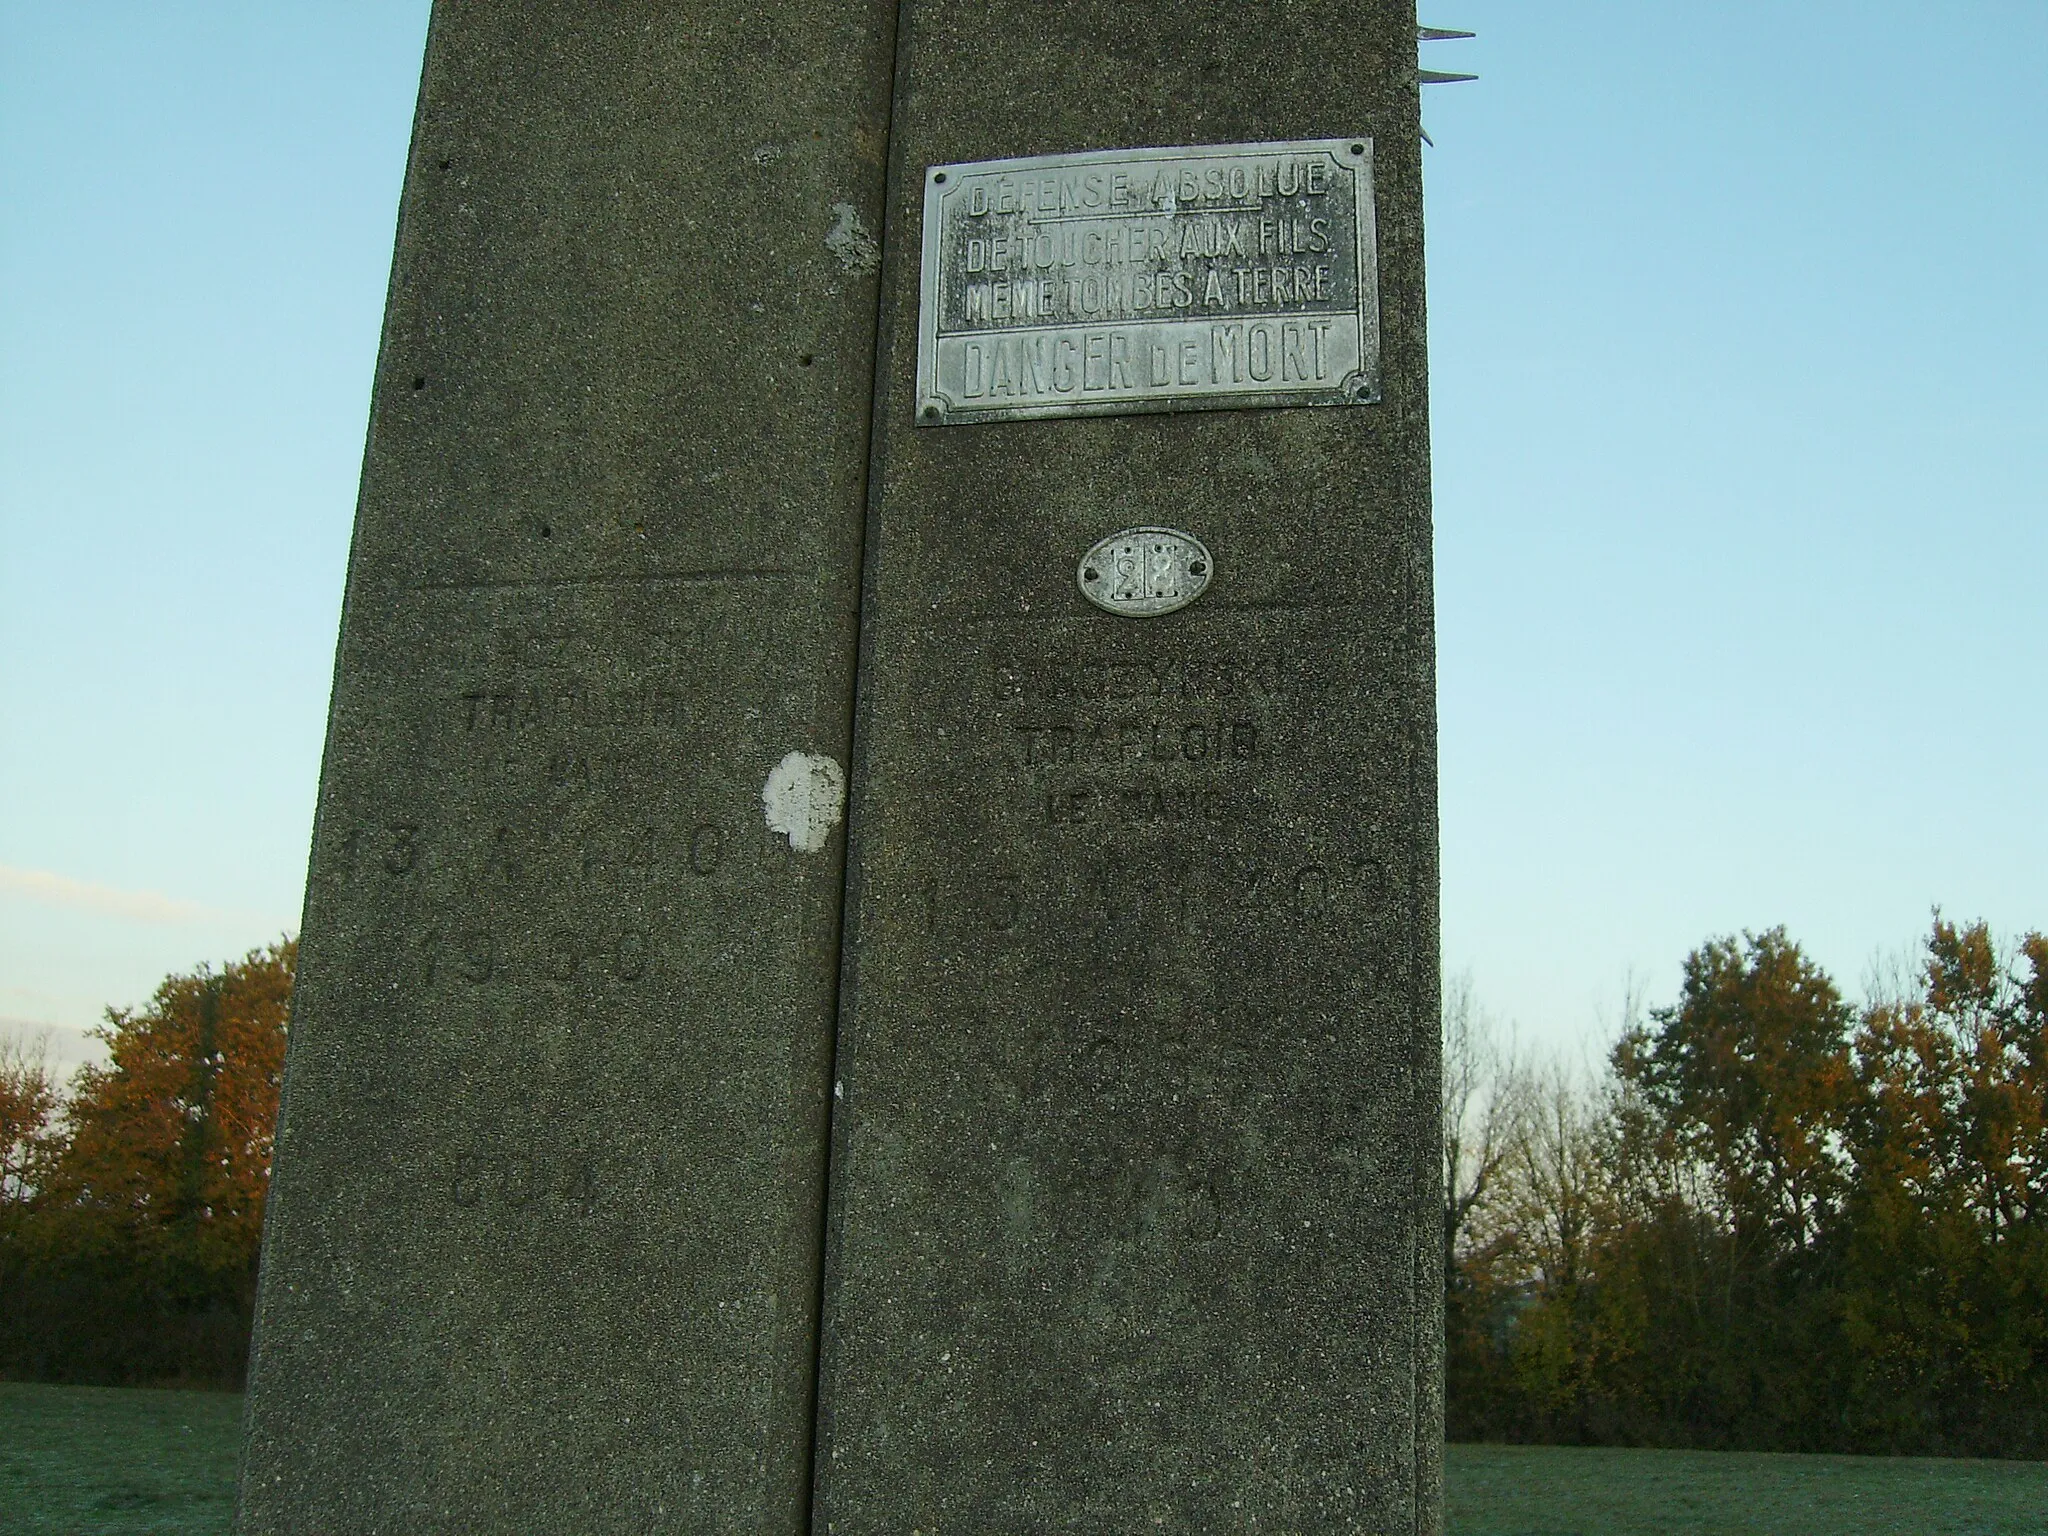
(1771, 1221)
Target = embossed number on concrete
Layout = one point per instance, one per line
(1143, 572)
(1149, 280)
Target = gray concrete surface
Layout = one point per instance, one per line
(543, 1240)
(1135, 1181)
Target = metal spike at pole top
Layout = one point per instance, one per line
(1437, 76)
(1439, 35)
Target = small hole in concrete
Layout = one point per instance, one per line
(419, 381)
(939, 178)
(931, 413)
(1358, 149)
(546, 532)
(1196, 567)
(1090, 574)
(446, 163)
(805, 361)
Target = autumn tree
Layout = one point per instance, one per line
(1946, 1297)
(137, 1257)
(28, 1101)
(1748, 1074)
(1557, 1198)
(1485, 1112)
(1485, 1109)
(1739, 1089)
(168, 1144)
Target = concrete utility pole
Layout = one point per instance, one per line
(991, 438)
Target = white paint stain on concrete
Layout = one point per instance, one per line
(804, 798)
(849, 240)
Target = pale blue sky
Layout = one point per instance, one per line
(1740, 344)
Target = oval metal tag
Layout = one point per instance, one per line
(1143, 572)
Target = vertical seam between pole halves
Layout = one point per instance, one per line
(845, 979)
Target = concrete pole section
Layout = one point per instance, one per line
(543, 1244)
(1135, 1207)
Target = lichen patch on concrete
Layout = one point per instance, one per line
(849, 240)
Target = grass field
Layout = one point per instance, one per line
(1501, 1490)
(96, 1461)
(79, 1461)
